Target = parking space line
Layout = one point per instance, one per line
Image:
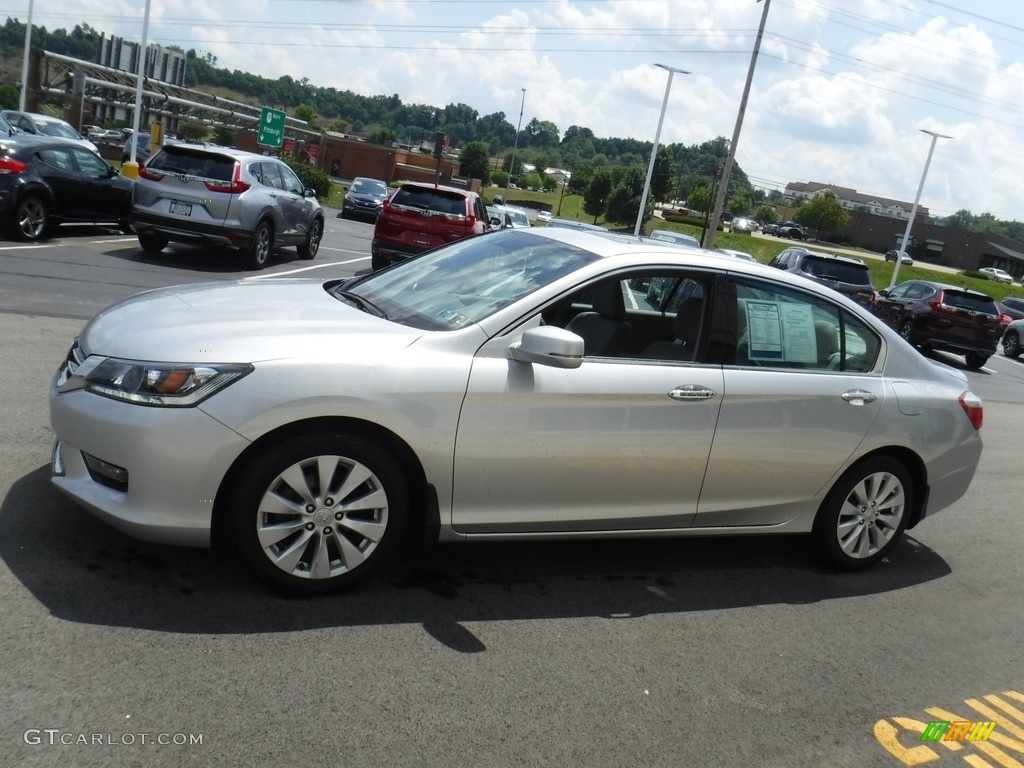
(21, 247)
(306, 269)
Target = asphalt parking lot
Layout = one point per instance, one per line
(699, 652)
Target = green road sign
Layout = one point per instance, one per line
(271, 132)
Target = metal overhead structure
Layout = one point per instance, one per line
(51, 78)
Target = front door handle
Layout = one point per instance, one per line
(692, 392)
(859, 397)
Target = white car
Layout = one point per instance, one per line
(544, 216)
(997, 274)
(515, 385)
(45, 125)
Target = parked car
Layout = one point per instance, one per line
(771, 228)
(903, 256)
(844, 274)
(1012, 307)
(364, 198)
(505, 217)
(742, 225)
(45, 125)
(933, 315)
(501, 387)
(6, 129)
(419, 217)
(544, 216)
(788, 229)
(996, 274)
(186, 193)
(579, 225)
(677, 238)
(46, 181)
(143, 152)
(735, 254)
(1012, 336)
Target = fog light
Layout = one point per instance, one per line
(105, 473)
(57, 460)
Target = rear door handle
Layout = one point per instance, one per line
(859, 397)
(692, 392)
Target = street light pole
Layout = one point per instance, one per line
(730, 157)
(24, 61)
(654, 149)
(913, 211)
(515, 146)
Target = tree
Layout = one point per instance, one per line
(383, 136)
(475, 162)
(624, 201)
(499, 177)
(766, 214)
(507, 165)
(822, 212)
(962, 219)
(580, 178)
(225, 136)
(595, 199)
(530, 180)
(664, 174)
(192, 131)
(338, 125)
(739, 206)
(9, 97)
(699, 199)
(306, 112)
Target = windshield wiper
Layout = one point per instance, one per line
(364, 304)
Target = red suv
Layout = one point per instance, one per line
(419, 217)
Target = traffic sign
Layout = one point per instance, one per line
(271, 132)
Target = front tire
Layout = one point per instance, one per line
(31, 218)
(865, 513)
(1011, 345)
(309, 248)
(262, 244)
(319, 512)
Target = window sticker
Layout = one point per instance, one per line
(780, 331)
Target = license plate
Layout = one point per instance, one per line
(182, 209)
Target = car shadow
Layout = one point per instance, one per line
(196, 258)
(953, 360)
(82, 570)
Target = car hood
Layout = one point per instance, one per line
(240, 322)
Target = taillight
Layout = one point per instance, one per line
(235, 187)
(145, 173)
(1003, 319)
(10, 166)
(938, 306)
(971, 404)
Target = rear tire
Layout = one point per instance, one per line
(319, 512)
(262, 244)
(378, 263)
(1011, 345)
(907, 331)
(152, 243)
(309, 248)
(865, 513)
(975, 360)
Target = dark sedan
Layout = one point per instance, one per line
(937, 316)
(46, 181)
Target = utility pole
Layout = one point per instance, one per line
(709, 241)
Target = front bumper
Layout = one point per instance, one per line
(175, 460)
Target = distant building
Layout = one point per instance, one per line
(852, 200)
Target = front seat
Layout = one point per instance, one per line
(605, 331)
(685, 332)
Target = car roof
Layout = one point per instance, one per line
(824, 255)
(949, 287)
(427, 186)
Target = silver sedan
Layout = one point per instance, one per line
(518, 384)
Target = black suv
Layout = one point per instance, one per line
(847, 275)
(938, 316)
(364, 198)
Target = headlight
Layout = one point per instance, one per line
(159, 384)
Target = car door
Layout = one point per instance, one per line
(891, 307)
(801, 392)
(57, 168)
(105, 194)
(298, 209)
(619, 443)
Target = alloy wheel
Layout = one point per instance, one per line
(871, 515)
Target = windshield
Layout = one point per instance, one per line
(58, 129)
(365, 187)
(461, 284)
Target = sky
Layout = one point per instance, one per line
(840, 92)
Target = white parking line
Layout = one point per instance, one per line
(125, 239)
(306, 269)
(21, 247)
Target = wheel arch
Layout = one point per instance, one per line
(915, 467)
(424, 505)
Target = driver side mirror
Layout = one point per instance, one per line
(549, 345)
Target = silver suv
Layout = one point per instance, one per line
(217, 196)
